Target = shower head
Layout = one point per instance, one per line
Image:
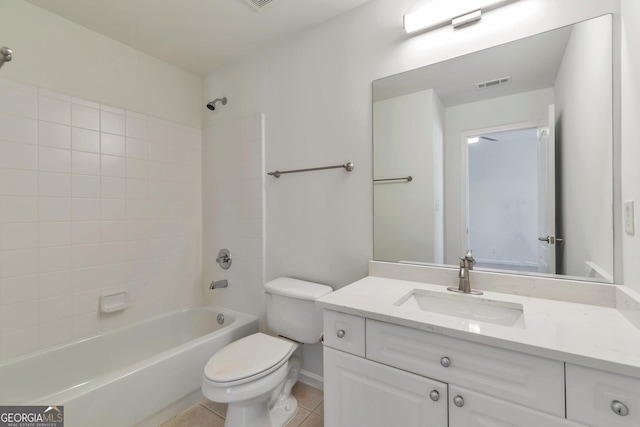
(212, 105)
(5, 55)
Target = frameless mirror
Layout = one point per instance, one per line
(507, 151)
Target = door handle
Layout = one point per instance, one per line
(551, 240)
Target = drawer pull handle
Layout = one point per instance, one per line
(341, 333)
(619, 408)
(445, 362)
(458, 401)
(434, 395)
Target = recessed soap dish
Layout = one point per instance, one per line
(110, 303)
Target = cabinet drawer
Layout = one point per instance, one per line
(527, 380)
(591, 394)
(344, 332)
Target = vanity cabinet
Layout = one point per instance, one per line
(395, 375)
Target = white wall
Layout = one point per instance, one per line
(99, 182)
(57, 54)
(630, 131)
(404, 144)
(583, 143)
(521, 108)
(315, 89)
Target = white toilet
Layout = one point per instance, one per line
(255, 374)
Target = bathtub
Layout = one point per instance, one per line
(136, 375)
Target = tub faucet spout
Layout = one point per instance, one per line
(218, 284)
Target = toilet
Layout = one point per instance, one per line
(255, 374)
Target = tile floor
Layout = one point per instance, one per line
(211, 414)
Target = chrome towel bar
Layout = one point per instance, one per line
(347, 166)
(404, 178)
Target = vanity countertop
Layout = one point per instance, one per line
(588, 335)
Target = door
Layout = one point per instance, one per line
(471, 409)
(547, 195)
(361, 393)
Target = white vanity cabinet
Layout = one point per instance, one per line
(381, 374)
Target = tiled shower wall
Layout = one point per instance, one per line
(233, 214)
(93, 199)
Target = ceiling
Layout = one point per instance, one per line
(197, 35)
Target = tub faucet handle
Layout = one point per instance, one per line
(224, 259)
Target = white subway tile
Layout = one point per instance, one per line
(52, 94)
(56, 308)
(55, 283)
(114, 209)
(84, 279)
(55, 234)
(177, 154)
(55, 259)
(85, 186)
(113, 145)
(86, 302)
(137, 189)
(111, 109)
(20, 289)
(18, 129)
(18, 102)
(85, 209)
(114, 231)
(137, 169)
(18, 209)
(137, 250)
(17, 343)
(86, 325)
(17, 235)
(137, 230)
(114, 188)
(14, 182)
(113, 253)
(137, 209)
(18, 262)
(137, 127)
(54, 184)
(114, 274)
(86, 256)
(137, 148)
(112, 123)
(158, 171)
(176, 135)
(54, 110)
(85, 140)
(85, 163)
(85, 102)
(85, 117)
(54, 333)
(55, 209)
(158, 152)
(54, 135)
(54, 160)
(113, 166)
(158, 130)
(85, 233)
(18, 156)
(18, 316)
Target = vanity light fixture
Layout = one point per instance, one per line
(455, 13)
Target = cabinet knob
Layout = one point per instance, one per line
(445, 362)
(458, 401)
(341, 333)
(619, 408)
(434, 395)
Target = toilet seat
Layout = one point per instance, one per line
(248, 359)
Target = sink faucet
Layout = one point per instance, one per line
(464, 285)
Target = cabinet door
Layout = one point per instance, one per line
(472, 409)
(361, 393)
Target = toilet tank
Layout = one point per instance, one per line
(291, 308)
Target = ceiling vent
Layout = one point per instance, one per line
(493, 83)
(258, 4)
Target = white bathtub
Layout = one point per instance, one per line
(137, 374)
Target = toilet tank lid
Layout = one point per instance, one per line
(295, 288)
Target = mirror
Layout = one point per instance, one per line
(506, 151)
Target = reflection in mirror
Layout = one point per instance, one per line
(510, 154)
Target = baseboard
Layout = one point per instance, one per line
(309, 378)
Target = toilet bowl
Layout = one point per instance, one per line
(255, 374)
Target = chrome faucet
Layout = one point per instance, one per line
(219, 284)
(464, 284)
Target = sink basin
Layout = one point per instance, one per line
(464, 306)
